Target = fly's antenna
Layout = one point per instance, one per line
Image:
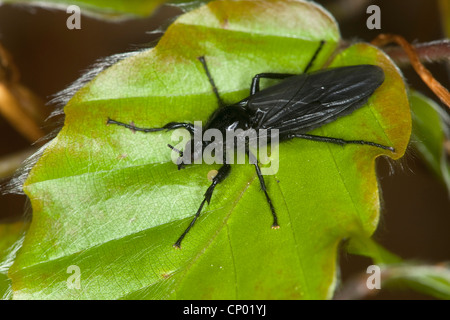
(176, 150)
(211, 81)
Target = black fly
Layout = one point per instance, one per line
(294, 106)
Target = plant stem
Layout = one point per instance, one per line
(383, 39)
(434, 51)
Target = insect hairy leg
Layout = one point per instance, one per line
(341, 142)
(221, 175)
(254, 161)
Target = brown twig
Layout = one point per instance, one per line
(8, 70)
(434, 51)
(384, 39)
(11, 109)
(24, 110)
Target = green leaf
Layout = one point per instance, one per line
(429, 133)
(433, 280)
(10, 238)
(101, 8)
(431, 130)
(369, 248)
(112, 203)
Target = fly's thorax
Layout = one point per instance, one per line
(229, 118)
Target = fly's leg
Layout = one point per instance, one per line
(211, 81)
(170, 126)
(254, 161)
(254, 87)
(310, 63)
(220, 176)
(256, 79)
(341, 142)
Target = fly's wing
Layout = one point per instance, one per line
(307, 101)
